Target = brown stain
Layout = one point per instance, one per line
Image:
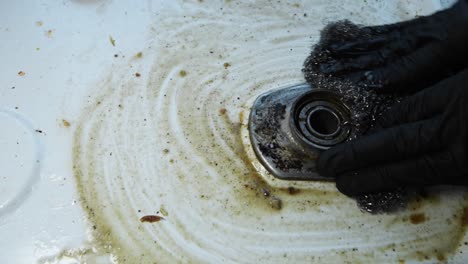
(151, 218)
(293, 191)
(139, 55)
(21, 73)
(226, 65)
(39, 23)
(89, 201)
(441, 257)
(65, 123)
(418, 218)
(401, 261)
(241, 117)
(137, 74)
(183, 73)
(222, 111)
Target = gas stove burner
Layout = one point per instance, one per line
(290, 127)
(320, 119)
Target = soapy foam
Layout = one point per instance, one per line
(173, 143)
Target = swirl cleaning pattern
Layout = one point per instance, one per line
(173, 142)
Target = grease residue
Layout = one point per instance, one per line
(209, 181)
(416, 219)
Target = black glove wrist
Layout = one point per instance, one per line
(422, 141)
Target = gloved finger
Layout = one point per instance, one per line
(394, 45)
(426, 170)
(359, 63)
(364, 60)
(409, 72)
(423, 105)
(414, 25)
(358, 46)
(377, 37)
(392, 144)
(387, 28)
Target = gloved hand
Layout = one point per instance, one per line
(421, 141)
(405, 56)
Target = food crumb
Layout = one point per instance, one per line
(139, 55)
(151, 218)
(65, 123)
(137, 74)
(183, 73)
(112, 40)
(222, 111)
(21, 73)
(226, 65)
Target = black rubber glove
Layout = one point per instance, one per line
(405, 56)
(421, 141)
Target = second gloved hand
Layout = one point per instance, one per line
(421, 141)
(406, 56)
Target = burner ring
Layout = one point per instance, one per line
(320, 119)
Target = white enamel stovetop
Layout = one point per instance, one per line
(111, 111)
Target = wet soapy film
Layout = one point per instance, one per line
(167, 136)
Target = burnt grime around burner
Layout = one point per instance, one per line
(268, 131)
